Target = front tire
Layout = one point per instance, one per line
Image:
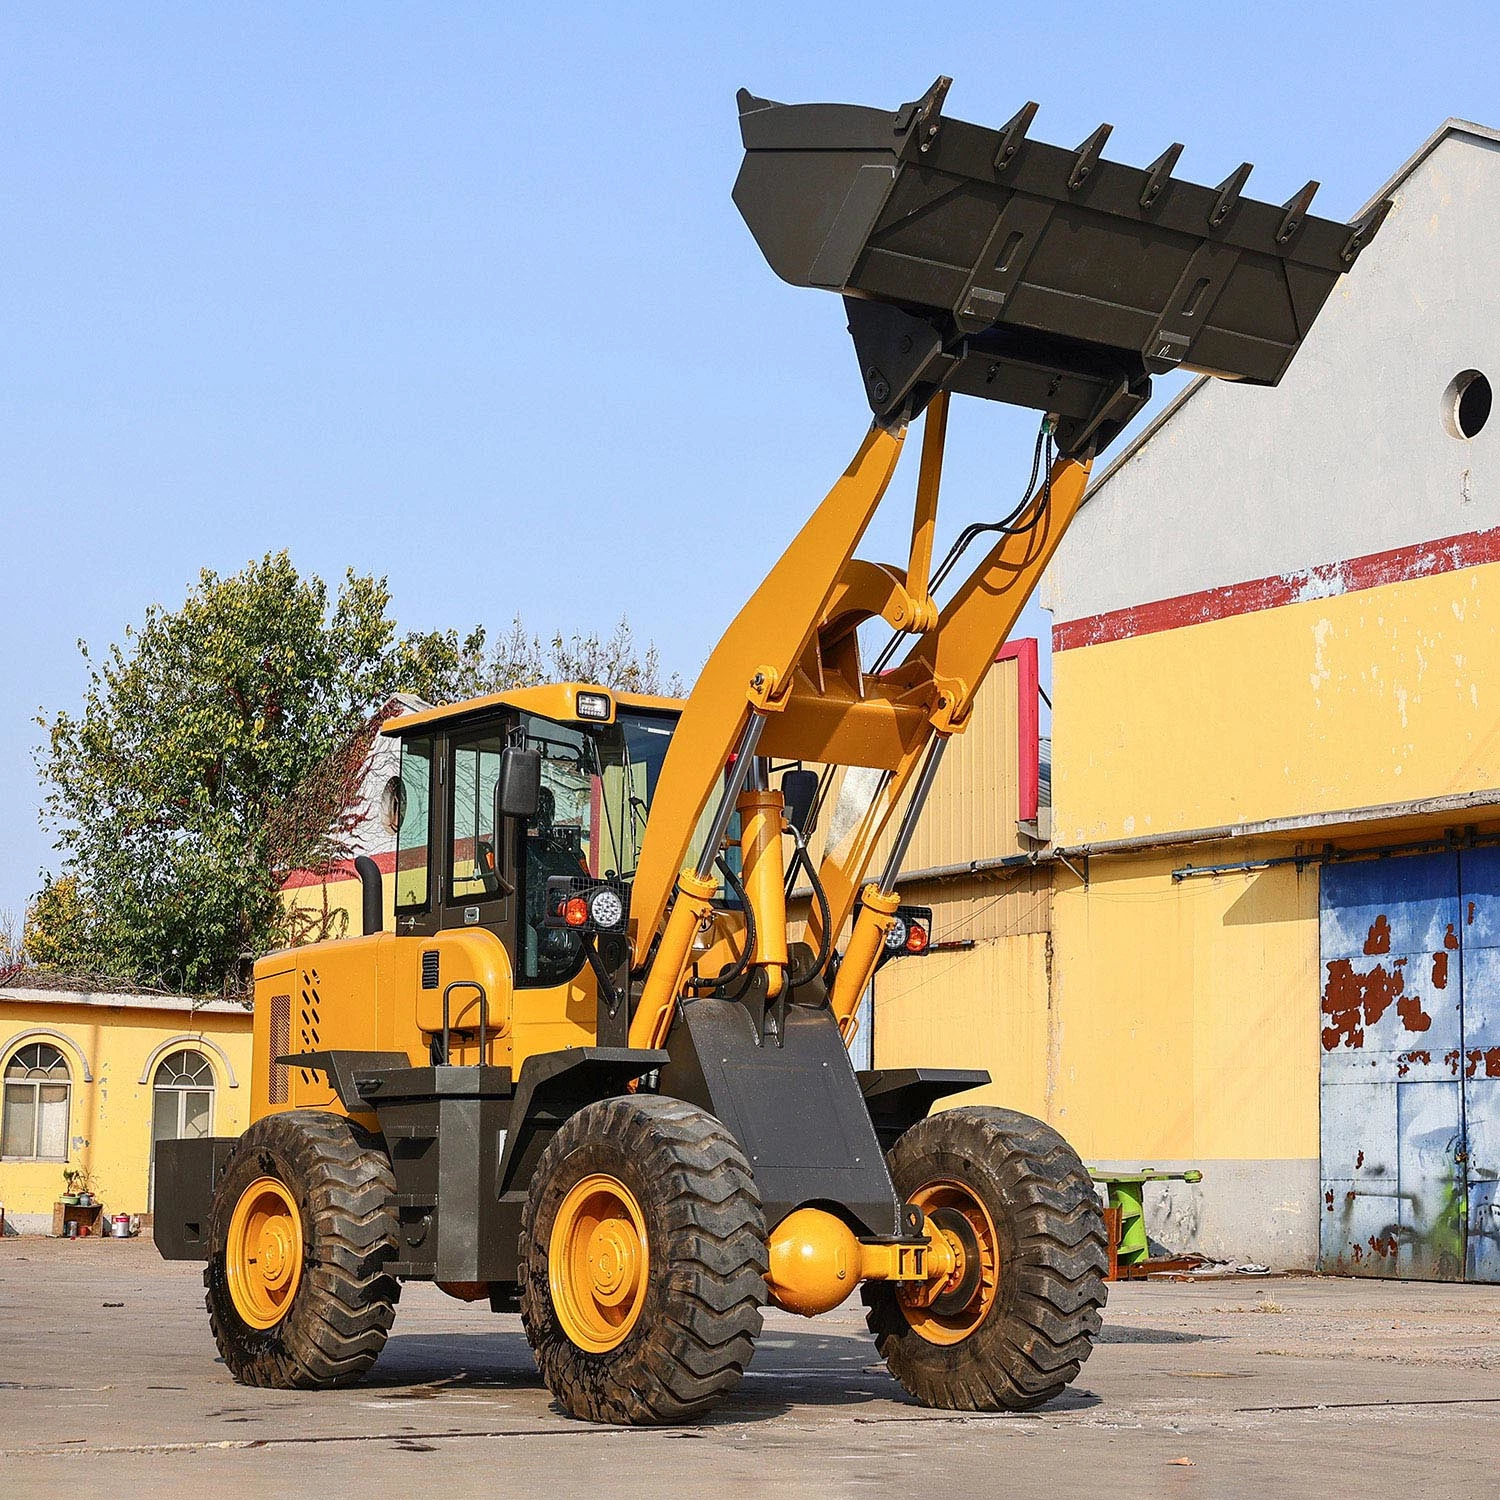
(1016, 1321)
(643, 1254)
(303, 1221)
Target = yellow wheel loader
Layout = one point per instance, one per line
(594, 1072)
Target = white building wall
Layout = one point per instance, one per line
(1349, 455)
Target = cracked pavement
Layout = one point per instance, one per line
(1280, 1387)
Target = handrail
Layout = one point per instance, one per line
(484, 1015)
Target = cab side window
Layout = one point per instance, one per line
(476, 769)
(412, 831)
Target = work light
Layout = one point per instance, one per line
(579, 903)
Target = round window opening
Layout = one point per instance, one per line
(1466, 404)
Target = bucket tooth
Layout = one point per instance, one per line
(1229, 193)
(924, 115)
(1362, 230)
(1086, 158)
(1159, 174)
(1296, 211)
(1013, 132)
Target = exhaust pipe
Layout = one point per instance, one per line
(373, 889)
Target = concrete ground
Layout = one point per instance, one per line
(1283, 1387)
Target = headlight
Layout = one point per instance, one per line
(909, 935)
(578, 903)
(606, 909)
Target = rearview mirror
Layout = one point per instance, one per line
(518, 791)
(799, 790)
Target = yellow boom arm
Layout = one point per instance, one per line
(786, 681)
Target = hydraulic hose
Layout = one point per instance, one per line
(1008, 525)
(738, 967)
(825, 945)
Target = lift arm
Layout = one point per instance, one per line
(751, 670)
(976, 262)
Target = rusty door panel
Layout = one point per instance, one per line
(1482, 1135)
(1429, 1227)
(1480, 1060)
(1361, 1182)
(1392, 1110)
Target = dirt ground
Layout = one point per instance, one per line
(1273, 1387)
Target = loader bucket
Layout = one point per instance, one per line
(994, 265)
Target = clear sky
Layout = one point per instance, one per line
(456, 293)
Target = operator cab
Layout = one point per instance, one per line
(462, 862)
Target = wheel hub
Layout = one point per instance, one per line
(263, 1253)
(953, 1305)
(614, 1259)
(275, 1257)
(597, 1263)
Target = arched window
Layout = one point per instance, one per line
(38, 1089)
(182, 1102)
(184, 1097)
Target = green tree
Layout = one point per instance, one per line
(221, 745)
(176, 793)
(55, 934)
(444, 667)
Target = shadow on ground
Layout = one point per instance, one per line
(825, 1373)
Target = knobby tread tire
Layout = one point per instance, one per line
(1053, 1259)
(345, 1303)
(707, 1259)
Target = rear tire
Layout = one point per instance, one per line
(1032, 1316)
(671, 1337)
(334, 1183)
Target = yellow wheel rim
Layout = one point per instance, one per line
(597, 1263)
(264, 1254)
(975, 1250)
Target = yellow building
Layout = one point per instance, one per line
(92, 1080)
(1268, 944)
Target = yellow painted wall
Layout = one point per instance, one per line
(1380, 696)
(339, 903)
(986, 1008)
(1170, 1020)
(971, 811)
(1185, 1013)
(109, 1124)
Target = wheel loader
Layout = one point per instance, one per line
(595, 1072)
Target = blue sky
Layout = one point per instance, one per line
(319, 277)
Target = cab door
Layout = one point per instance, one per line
(479, 876)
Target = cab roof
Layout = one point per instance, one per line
(556, 700)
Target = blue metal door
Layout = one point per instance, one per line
(1479, 933)
(1392, 1093)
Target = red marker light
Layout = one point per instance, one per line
(576, 911)
(916, 939)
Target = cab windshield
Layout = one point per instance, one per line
(597, 784)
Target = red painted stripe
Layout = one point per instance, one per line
(1028, 724)
(344, 870)
(1422, 560)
